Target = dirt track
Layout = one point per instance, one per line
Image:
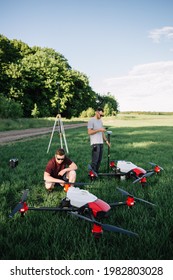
(14, 135)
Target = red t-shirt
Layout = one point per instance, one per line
(53, 168)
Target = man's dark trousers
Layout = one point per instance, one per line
(97, 152)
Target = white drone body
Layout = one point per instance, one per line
(126, 166)
(79, 197)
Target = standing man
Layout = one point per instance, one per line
(97, 136)
(59, 169)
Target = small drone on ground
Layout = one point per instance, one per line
(85, 205)
(123, 170)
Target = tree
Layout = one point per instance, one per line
(10, 108)
(109, 110)
(78, 94)
(44, 77)
(108, 102)
(8, 55)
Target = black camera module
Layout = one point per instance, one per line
(13, 162)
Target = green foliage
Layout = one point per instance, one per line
(83, 114)
(35, 112)
(90, 112)
(44, 77)
(8, 51)
(109, 103)
(109, 110)
(9, 108)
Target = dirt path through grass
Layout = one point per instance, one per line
(14, 135)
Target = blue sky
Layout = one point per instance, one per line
(125, 47)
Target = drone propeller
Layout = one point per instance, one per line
(154, 164)
(136, 198)
(24, 196)
(148, 174)
(19, 206)
(105, 226)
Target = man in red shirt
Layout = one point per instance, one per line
(59, 169)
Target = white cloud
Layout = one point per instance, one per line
(157, 34)
(147, 87)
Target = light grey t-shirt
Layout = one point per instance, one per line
(96, 138)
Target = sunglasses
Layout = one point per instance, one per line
(59, 158)
(100, 113)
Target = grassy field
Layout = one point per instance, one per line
(45, 235)
(25, 123)
(121, 120)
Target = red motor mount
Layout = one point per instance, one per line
(157, 169)
(92, 175)
(130, 201)
(24, 209)
(97, 231)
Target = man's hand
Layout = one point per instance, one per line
(109, 144)
(94, 131)
(62, 172)
(102, 129)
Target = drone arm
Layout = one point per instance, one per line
(51, 209)
(107, 174)
(117, 203)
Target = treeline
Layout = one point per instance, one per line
(147, 113)
(37, 81)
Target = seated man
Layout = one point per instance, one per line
(59, 169)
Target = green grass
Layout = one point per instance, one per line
(25, 123)
(121, 120)
(45, 235)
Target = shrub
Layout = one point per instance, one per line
(9, 108)
(90, 112)
(35, 112)
(83, 114)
